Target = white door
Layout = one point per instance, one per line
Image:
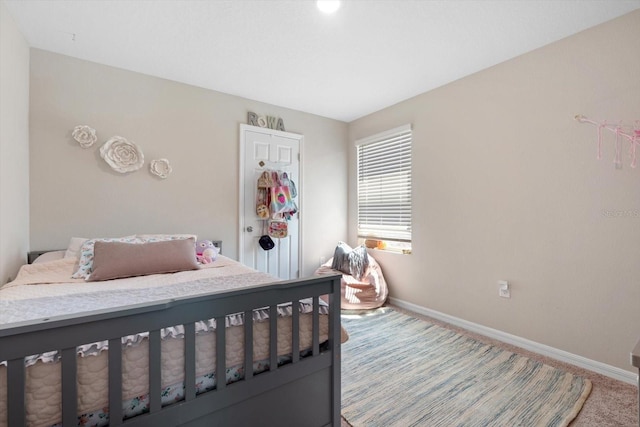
(267, 149)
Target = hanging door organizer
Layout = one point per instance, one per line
(275, 204)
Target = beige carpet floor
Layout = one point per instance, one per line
(611, 403)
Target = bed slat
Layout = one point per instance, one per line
(273, 337)
(115, 382)
(295, 331)
(155, 371)
(248, 345)
(221, 368)
(189, 361)
(16, 397)
(335, 338)
(316, 325)
(69, 387)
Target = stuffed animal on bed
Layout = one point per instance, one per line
(206, 252)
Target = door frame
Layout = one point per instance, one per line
(299, 187)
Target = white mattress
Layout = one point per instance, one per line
(43, 371)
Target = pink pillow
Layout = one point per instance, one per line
(113, 260)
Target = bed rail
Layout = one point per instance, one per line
(321, 369)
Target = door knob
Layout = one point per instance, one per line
(249, 229)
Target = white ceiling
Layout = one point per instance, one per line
(367, 56)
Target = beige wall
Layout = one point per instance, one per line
(506, 182)
(507, 186)
(14, 147)
(75, 193)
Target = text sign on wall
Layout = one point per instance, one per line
(265, 121)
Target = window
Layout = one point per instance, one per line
(384, 188)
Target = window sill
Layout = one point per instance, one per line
(392, 250)
(403, 248)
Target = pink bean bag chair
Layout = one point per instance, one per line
(363, 285)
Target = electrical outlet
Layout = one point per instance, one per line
(322, 260)
(504, 290)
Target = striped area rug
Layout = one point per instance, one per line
(402, 371)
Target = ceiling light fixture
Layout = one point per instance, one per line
(328, 6)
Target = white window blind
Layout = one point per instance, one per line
(384, 185)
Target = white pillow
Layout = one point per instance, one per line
(49, 256)
(73, 250)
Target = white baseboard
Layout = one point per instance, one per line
(544, 350)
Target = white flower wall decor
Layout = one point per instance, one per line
(160, 168)
(85, 135)
(123, 156)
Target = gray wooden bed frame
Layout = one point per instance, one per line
(305, 392)
(635, 361)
